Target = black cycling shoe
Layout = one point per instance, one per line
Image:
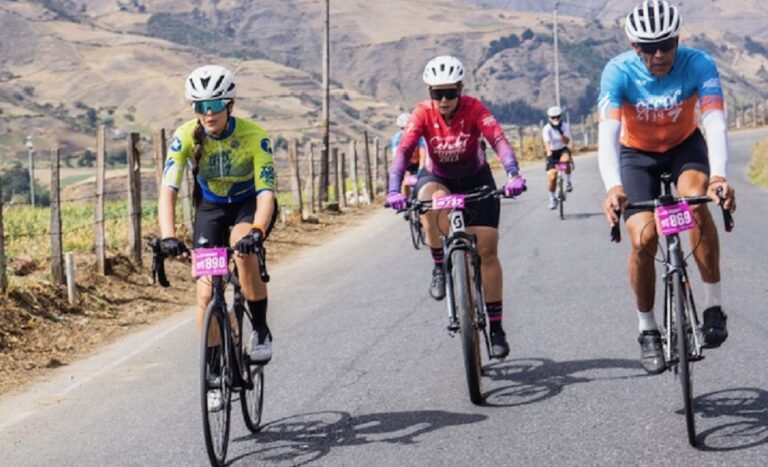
(499, 345)
(715, 331)
(651, 355)
(437, 287)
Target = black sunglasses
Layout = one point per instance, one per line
(650, 48)
(438, 94)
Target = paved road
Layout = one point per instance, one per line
(364, 373)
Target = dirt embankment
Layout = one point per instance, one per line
(40, 331)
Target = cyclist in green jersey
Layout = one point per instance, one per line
(234, 174)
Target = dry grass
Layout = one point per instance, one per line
(758, 166)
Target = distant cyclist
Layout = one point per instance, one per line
(556, 135)
(453, 126)
(234, 176)
(416, 161)
(648, 126)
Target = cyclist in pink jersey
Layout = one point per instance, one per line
(453, 126)
(648, 126)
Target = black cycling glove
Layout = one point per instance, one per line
(173, 247)
(251, 243)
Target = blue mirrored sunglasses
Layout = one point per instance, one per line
(214, 106)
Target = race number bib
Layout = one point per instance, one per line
(449, 202)
(209, 262)
(675, 218)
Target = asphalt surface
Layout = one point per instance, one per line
(364, 372)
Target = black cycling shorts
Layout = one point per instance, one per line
(641, 170)
(555, 157)
(477, 213)
(213, 221)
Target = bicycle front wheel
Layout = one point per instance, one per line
(252, 394)
(215, 387)
(561, 197)
(684, 336)
(416, 233)
(467, 313)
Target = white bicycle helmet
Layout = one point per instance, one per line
(210, 82)
(402, 119)
(653, 21)
(444, 69)
(554, 111)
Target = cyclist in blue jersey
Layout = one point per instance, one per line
(234, 174)
(648, 126)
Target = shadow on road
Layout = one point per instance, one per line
(743, 413)
(302, 439)
(528, 381)
(583, 215)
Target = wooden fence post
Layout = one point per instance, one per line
(70, 270)
(322, 189)
(57, 259)
(3, 275)
(340, 164)
(521, 146)
(368, 174)
(161, 149)
(386, 168)
(187, 189)
(134, 195)
(336, 177)
(293, 164)
(355, 181)
(99, 230)
(376, 165)
(311, 180)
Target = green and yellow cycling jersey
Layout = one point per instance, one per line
(235, 166)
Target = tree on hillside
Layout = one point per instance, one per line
(15, 181)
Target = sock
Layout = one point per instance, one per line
(258, 313)
(437, 256)
(646, 321)
(568, 178)
(494, 315)
(551, 195)
(711, 294)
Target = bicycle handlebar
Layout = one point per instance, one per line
(478, 194)
(727, 217)
(158, 262)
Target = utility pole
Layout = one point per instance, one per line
(324, 151)
(557, 64)
(31, 153)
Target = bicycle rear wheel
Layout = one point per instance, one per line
(215, 376)
(685, 369)
(252, 394)
(467, 313)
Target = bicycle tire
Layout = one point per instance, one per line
(415, 224)
(561, 197)
(252, 393)
(215, 424)
(470, 340)
(684, 364)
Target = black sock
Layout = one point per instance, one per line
(437, 256)
(494, 315)
(258, 313)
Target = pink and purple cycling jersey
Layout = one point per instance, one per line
(454, 150)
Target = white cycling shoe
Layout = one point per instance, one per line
(215, 400)
(261, 346)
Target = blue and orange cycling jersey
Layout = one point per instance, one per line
(235, 165)
(414, 159)
(657, 114)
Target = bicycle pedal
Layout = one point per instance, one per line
(453, 327)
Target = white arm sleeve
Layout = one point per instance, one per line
(608, 152)
(717, 141)
(545, 133)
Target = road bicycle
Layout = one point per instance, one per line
(467, 315)
(560, 189)
(225, 365)
(681, 335)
